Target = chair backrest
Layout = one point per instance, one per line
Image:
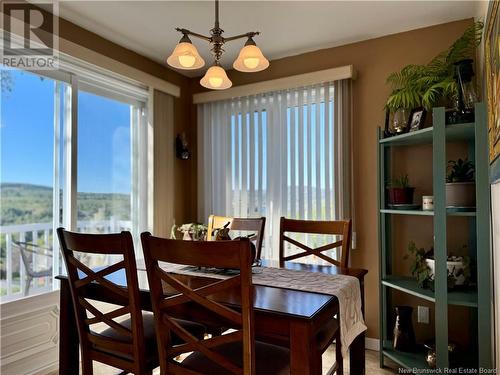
(339, 228)
(256, 225)
(223, 254)
(129, 340)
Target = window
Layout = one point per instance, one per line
(29, 115)
(69, 157)
(276, 154)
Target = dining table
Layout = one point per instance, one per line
(285, 316)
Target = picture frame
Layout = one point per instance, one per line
(492, 78)
(417, 119)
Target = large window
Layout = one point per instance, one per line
(28, 119)
(69, 157)
(276, 154)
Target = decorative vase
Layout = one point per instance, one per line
(404, 336)
(455, 269)
(460, 194)
(401, 195)
(467, 92)
(400, 121)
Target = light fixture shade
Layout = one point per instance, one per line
(216, 79)
(185, 56)
(250, 60)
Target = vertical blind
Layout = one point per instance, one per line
(284, 153)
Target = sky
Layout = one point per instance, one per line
(27, 137)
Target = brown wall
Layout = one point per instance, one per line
(373, 61)
(184, 203)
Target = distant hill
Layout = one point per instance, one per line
(26, 203)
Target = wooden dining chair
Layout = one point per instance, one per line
(129, 341)
(339, 228)
(255, 225)
(330, 332)
(236, 352)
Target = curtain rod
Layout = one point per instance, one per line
(299, 80)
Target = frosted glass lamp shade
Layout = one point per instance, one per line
(250, 60)
(185, 56)
(216, 79)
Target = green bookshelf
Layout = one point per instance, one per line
(409, 360)
(477, 298)
(449, 212)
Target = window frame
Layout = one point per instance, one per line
(80, 75)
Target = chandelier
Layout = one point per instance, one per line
(185, 55)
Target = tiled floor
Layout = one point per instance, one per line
(372, 365)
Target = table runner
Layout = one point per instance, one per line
(345, 288)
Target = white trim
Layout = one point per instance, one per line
(30, 334)
(299, 80)
(372, 344)
(151, 160)
(90, 60)
(118, 67)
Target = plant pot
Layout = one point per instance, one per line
(460, 194)
(454, 267)
(401, 195)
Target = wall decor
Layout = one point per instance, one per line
(417, 119)
(181, 147)
(492, 75)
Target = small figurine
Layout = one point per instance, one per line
(222, 234)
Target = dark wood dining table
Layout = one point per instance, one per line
(287, 316)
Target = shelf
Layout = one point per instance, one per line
(409, 285)
(409, 360)
(416, 358)
(449, 212)
(407, 212)
(455, 132)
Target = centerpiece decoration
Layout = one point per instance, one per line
(190, 232)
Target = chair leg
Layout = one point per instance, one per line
(338, 355)
(87, 367)
(28, 285)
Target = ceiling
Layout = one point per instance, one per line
(287, 27)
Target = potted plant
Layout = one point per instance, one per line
(427, 85)
(460, 186)
(400, 191)
(423, 267)
(419, 268)
(458, 268)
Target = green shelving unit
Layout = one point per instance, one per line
(477, 298)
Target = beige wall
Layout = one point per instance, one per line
(373, 60)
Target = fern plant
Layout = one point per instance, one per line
(425, 85)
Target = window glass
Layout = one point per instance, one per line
(104, 166)
(30, 111)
